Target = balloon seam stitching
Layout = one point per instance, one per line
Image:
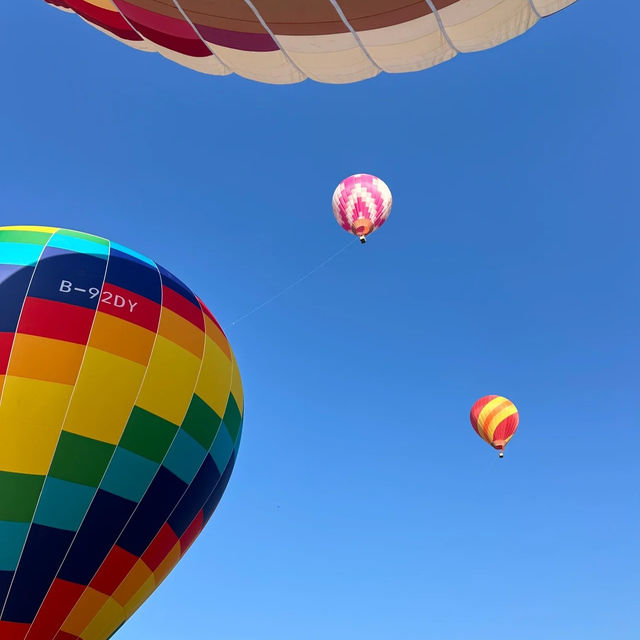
(64, 419)
(26, 295)
(20, 316)
(179, 500)
(135, 510)
(266, 27)
(436, 15)
(354, 33)
(117, 8)
(533, 8)
(144, 376)
(204, 42)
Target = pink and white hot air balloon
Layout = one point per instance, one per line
(361, 204)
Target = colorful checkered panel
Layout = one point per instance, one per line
(120, 419)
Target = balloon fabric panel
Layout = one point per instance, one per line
(335, 41)
(361, 204)
(495, 420)
(120, 419)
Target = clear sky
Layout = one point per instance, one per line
(363, 505)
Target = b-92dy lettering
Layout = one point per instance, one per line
(107, 297)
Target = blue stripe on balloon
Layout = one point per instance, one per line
(132, 253)
(19, 254)
(79, 245)
(128, 475)
(222, 448)
(63, 504)
(12, 535)
(184, 457)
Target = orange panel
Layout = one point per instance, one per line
(45, 359)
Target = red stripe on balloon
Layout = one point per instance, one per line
(60, 600)
(113, 570)
(6, 341)
(174, 301)
(188, 47)
(63, 635)
(129, 306)
(236, 40)
(210, 315)
(110, 20)
(476, 410)
(192, 532)
(13, 630)
(160, 547)
(506, 428)
(57, 320)
(168, 31)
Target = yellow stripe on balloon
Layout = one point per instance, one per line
(103, 4)
(30, 228)
(236, 386)
(506, 440)
(31, 416)
(498, 418)
(110, 617)
(84, 611)
(491, 406)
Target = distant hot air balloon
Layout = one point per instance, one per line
(337, 41)
(495, 420)
(120, 419)
(361, 204)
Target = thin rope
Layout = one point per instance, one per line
(267, 28)
(355, 34)
(294, 284)
(443, 31)
(204, 42)
(534, 9)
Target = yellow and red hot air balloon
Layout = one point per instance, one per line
(495, 420)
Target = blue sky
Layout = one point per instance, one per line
(363, 505)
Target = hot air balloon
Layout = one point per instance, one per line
(120, 419)
(495, 420)
(361, 204)
(336, 41)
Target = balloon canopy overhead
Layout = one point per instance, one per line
(120, 420)
(334, 41)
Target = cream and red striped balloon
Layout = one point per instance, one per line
(495, 420)
(337, 41)
(361, 204)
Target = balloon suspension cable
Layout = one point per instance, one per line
(293, 284)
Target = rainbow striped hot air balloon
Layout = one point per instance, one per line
(120, 420)
(361, 204)
(495, 420)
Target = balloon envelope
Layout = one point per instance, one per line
(361, 204)
(120, 419)
(337, 41)
(495, 420)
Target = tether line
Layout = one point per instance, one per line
(294, 284)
